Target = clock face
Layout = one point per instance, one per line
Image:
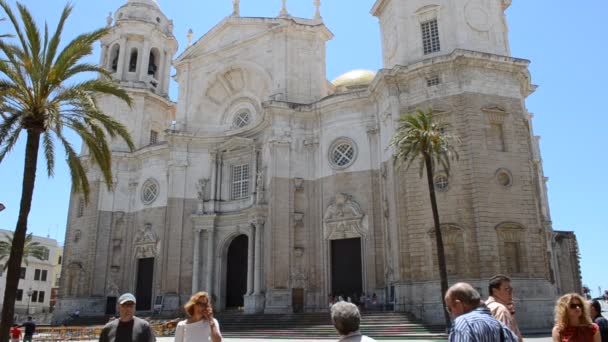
(476, 16)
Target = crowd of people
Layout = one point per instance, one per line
(474, 319)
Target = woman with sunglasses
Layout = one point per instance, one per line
(573, 322)
(200, 325)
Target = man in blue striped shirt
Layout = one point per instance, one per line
(473, 321)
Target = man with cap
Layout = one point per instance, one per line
(127, 328)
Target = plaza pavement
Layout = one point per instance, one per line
(537, 338)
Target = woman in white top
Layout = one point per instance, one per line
(200, 326)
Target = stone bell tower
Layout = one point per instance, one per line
(138, 52)
(413, 30)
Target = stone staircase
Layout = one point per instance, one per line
(378, 325)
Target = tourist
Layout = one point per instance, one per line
(501, 297)
(30, 329)
(15, 333)
(346, 319)
(473, 321)
(128, 327)
(200, 325)
(573, 322)
(601, 321)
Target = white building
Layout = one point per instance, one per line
(38, 277)
(271, 188)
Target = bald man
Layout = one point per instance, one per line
(473, 321)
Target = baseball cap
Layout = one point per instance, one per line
(126, 297)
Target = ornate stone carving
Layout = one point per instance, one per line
(299, 279)
(298, 183)
(201, 186)
(112, 289)
(298, 219)
(145, 242)
(343, 219)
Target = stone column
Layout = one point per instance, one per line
(250, 261)
(257, 275)
(120, 67)
(144, 61)
(254, 300)
(195, 259)
(210, 257)
(203, 223)
(213, 180)
(104, 57)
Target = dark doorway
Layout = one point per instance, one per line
(297, 300)
(111, 306)
(143, 291)
(236, 274)
(346, 270)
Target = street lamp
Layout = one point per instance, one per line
(29, 296)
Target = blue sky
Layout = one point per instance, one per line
(565, 40)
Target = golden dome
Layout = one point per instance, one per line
(354, 79)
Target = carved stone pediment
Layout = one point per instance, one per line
(343, 219)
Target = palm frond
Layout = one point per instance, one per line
(49, 153)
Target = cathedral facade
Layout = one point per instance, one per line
(272, 188)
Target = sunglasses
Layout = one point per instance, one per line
(202, 304)
(574, 306)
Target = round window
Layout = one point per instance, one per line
(342, 153)
(241, 120)
(441, 183)
(149, 191)
(504, 178)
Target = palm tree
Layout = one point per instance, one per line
(30, 249)
(36, 99)
(419, 138)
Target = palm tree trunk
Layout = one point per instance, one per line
(443, 274)
(14, 261)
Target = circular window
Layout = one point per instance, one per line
(241, 120)
(342, 153)
(149, 191)
(504, 178)
(441, 183)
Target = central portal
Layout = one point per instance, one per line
(346, 268)
(236, 274)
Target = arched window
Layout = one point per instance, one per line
(113, 60)
(153, 63)
(133, 60)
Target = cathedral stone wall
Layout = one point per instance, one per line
(260, 145)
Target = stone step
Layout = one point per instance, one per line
(387, 325)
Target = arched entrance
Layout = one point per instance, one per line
(346, 268)
(236, 273)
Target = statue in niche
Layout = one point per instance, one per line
(201, 186)
(116, 247)
(260, 187)
(119, 223)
